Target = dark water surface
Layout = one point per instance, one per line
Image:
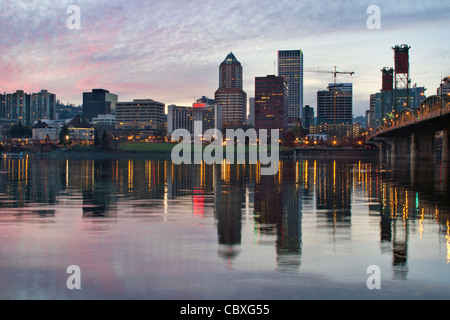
(143, 229)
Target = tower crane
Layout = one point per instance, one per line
(335, 72)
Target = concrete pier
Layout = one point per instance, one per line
(446, 146)
(422, 146)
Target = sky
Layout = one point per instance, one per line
(170, 50)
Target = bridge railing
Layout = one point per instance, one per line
(432, 107)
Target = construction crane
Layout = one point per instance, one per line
(335, 72)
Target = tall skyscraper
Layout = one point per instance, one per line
(98, 102)
(230, 95)
(290, 66)
(271, 103)
(335, 105)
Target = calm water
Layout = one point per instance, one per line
(143, 229)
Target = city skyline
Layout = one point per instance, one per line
(171, 51)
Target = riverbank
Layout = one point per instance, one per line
(102, 154)
(335, 153)
(164, 151)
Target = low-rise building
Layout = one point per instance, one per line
(80, 131)
(104, 122)
(317, 137)
(43, 132)
(351, 131)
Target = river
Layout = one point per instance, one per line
(148, 229)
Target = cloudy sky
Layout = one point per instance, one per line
(170, 50)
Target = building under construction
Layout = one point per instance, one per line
(335, 105)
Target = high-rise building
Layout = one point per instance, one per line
(97, 102)
(290, 66)
(179, 117)
(17, 107)
(230, 95)
(202, 116)
(206, 115)
(335, 105)
(42, 106)
(2, 105)
(372, 124)
(308, 117)
(251, 113)
(144, 116)
(271, 103)
(27, 108)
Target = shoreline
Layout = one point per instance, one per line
(306, 153)
(335, 153)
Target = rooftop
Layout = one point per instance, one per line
(230, 59)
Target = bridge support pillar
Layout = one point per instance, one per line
(446, 146)
(400, 149)
(382, 152)
(385, 154)
(422, 146)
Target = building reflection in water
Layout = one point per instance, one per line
(402, 196)
(411, 194)
(333, 197)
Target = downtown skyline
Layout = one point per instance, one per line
(171, 51)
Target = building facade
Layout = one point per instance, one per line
(27, 108)
(230, 95)
(351, 131)
(290, 66)
(97, 102)
(251, 113)
(202, 116)
(43, 132)
(206, 115)
(145, 116)
(383, 103)
(179, 117)
(271, 103)
(335, 105)
(43, 106)
(308, 117)
(444, 88)
(104, 122)
(80, 131)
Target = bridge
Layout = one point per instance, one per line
(410, 134)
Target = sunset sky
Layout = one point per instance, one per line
(170, 50)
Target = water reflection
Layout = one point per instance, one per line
(404, 200)
(410, 193)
